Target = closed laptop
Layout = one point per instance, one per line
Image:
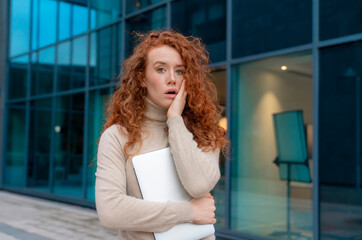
(158, 180)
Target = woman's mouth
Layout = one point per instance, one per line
(172, 93)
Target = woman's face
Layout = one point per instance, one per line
(164, 75)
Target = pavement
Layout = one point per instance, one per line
(28, 218)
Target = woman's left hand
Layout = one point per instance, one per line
(177, 106)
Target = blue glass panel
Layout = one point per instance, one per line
(64, 66)
(340, 141)
(42, 80)
(340, 18)
(205, 19)
(80, 19)
(260, 26)
(143, 23)
(39, 144)
(19, 26)
(105, 55)
(262, 203)
(79, 62)
(64, 20)
(16, 146)
(47, 22)
(104, 12)
(98, 104)
(35, 25)
(68, 159)
(133, 5)
(18, 77)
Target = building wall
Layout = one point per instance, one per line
(66, 60)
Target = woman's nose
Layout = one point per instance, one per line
(171, 78)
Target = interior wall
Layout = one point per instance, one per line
(263, 93)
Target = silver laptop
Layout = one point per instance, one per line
(158, 180)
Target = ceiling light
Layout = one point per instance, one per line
(284, 68)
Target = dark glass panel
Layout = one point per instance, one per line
(104, 12)
(43, 72)
(80, 18)
(105, 55)
(97, 105)
(143, 23)
(133, 5)
(19, 26)
(39, 144)
(340, 141)
(68, 159)
(47, 22)
(260, 26)
(340, 18)
(65, 10)
(205, 19)
(18, 77)
(79, 62)
(219, 192)
(64, 66)
(16, 146)
(263, 203)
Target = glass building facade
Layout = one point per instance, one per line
(288, 74)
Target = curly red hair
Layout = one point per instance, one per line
(201, 113)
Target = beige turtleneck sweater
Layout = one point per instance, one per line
(118, 198)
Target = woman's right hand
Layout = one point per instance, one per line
(204, 210)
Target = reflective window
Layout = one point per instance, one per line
(260, 26)
(143, 23)
(133, 5)
(79, 62)
(218, 77)
(19, 26)
(105, 55)
(68, 161)
(15, 145)
(80, 18)
(47, 22)
(65, 10)
(104, 12)
(340, 141)
(265, 200)
(40, 132)
(204, 19)
(339, 18)
(97, 111)
(43, 72)
(35, 24)
(64, 66)
(18, 77)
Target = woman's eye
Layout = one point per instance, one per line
(160, 70)
(179, 72)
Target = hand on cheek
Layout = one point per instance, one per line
(178, 103)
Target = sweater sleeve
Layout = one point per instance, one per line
(118, 210)
(198, 171)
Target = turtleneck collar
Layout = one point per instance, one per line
(154, 114)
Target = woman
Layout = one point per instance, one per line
(165, 100)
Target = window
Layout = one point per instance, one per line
(204, 19)
(143, 23)
(261, 26)
(340, 142)
(340, 18)
(262, 201)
